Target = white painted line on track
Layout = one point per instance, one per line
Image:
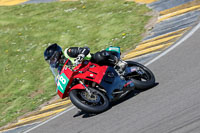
(150, 62)
(175, 45)
(14, 128)
(70, 108)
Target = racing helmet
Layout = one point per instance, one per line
(52, 55)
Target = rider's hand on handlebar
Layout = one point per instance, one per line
(79, 59)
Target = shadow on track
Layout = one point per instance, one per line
(112, 104)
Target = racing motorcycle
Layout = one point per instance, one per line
(92, 87)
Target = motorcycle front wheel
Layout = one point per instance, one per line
(143, 78)
(96, 103)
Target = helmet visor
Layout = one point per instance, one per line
(54, 60)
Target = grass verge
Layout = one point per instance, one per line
(26, 30)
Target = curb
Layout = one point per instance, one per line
(17, 2)
(41, 115)
(11, 2)
(173, 23)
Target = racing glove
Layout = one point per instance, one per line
(79, 59)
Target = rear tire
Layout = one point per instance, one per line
(85, 105)
(139, 84)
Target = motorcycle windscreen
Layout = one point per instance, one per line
(55, 73)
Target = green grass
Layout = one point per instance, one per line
(26, 30)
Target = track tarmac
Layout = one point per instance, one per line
(171, 107)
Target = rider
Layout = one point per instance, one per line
(55, 57)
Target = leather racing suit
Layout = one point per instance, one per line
(102, 57)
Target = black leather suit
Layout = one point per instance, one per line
(102, 57)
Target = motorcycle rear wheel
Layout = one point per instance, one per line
(144, 81)
(96, 103)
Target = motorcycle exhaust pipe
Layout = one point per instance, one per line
(129, 85)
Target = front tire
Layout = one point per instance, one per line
(96, 103)
(142, 82)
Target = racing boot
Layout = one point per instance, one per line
(121, 66)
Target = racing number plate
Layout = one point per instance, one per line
(62, 83)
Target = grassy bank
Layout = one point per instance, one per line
(26, 30)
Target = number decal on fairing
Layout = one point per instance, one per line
(62, 80)
(62, 83)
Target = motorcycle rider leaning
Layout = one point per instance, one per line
(55, 57)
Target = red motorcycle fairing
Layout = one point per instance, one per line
(86, 70)
(78, 86)
(69, 74)
(92, 72)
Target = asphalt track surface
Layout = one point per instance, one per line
(171, 107)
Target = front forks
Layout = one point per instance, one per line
(86, 88)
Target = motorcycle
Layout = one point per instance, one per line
(92, 87)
